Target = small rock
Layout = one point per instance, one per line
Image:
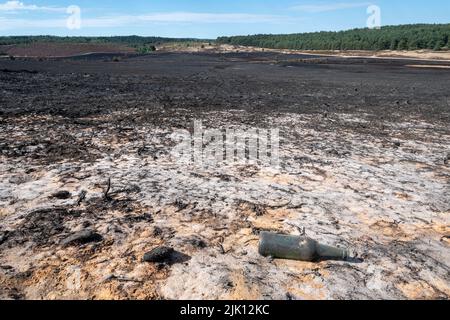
(180, 204)
(7, 267)
(17, 180)
(86, 224)
(157, 231)
(3, 236)
(159, 254)
(63, 194)
(199, 243)
(81, 197)
(82, 237)
(397, 144)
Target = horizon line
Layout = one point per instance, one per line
(227, 36)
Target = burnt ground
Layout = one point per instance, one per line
(364, 164)
(42, 49)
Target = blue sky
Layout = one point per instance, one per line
(208, 18)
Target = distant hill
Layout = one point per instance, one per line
(404, 37)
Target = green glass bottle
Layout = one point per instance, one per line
(298, 248)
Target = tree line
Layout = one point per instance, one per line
(404, 37)
(134, 41)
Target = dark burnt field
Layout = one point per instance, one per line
(255, 82)
(85, 145)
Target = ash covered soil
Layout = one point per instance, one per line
(88, 183)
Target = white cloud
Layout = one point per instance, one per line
(183, 17)
(315, 8)
(14, 6)
(139, 20)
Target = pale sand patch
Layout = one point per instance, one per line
(427, 66)
(393, 212)
(417, 290)
(426, 55)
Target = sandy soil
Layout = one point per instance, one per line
(428, 66)
(364, 164)
(389, 54)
